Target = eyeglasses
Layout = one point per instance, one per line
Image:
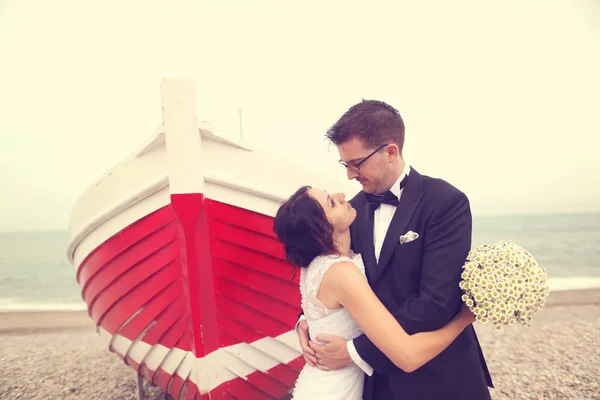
(355, 167)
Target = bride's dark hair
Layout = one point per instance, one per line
(303, 228)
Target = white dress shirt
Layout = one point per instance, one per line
(381, 223)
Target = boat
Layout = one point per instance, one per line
(178, 265)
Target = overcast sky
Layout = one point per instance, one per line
(501, 99)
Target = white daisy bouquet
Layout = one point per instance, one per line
(503, 284)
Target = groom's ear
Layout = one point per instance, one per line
(392, 151)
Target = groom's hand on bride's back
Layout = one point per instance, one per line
(309, 354)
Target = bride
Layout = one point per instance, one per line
(337, 299)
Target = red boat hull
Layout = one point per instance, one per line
(198, 298)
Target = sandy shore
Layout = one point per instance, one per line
(58, 355)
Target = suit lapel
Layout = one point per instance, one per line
(409, 200)
(365, 238)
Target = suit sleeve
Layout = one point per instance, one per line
(447, 241)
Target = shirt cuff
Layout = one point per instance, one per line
(357, 360)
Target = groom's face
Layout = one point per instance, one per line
(371, 173)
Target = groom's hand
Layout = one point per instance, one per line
(309, 354)
(333, 354)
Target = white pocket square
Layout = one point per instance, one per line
(408, 237)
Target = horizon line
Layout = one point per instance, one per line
(475, 215)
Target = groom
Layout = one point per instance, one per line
(414, 233)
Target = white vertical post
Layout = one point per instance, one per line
(140, 387)
(183, 140)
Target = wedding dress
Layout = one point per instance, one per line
(312, 383)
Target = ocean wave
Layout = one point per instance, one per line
(573, 282)
(11, 305)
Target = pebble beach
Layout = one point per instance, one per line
(58, 355)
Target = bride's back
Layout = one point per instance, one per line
(313, 383)
(320, 318)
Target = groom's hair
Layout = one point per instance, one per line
(302, 226)
(374, 122)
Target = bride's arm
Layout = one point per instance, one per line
(344, 282)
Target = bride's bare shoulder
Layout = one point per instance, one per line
(344, 280)
(345, 270)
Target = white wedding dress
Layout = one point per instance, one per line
(312, 383)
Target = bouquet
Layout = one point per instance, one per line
(503, 284)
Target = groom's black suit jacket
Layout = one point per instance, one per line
(418, 283)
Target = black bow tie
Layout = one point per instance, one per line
(375, 200)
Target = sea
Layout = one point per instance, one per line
(35, 274)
